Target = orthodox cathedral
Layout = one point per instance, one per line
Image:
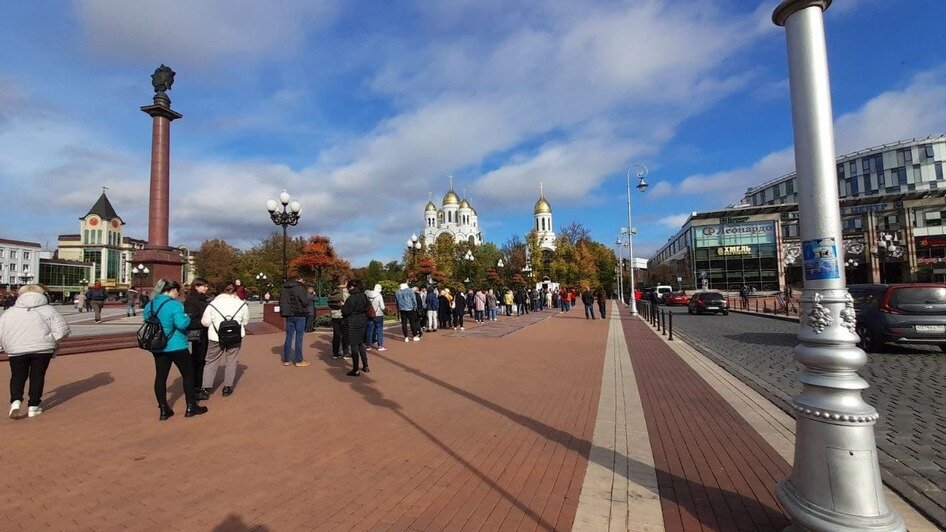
(458, 219)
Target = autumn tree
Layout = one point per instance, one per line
(217, 261)
(319, 260)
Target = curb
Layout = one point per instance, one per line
(770, 316)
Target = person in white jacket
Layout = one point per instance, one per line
(30, 332)
(375, 329)
(225, 306)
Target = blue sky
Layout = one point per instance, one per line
(360, 108)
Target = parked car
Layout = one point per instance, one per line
(708, 302)
(662, 291)
(900, 313)
(677, 298)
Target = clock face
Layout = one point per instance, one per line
(115, 224)
(93, 221)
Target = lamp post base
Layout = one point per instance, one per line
(808, 517)
(633, 308)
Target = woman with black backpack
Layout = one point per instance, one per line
(225, 319)
(357, 311)
(173, 321)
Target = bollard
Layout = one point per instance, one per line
(757, 306)
(670, 319)
(663, 323)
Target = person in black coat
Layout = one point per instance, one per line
(355, 311)
(194, 306)
(459, 307)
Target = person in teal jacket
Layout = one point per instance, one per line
(174, 321)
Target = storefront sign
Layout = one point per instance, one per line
(938, 241)
(821, 259)
(735, 234)
(734, 250)
(930, 260)
(734, 219)
(861, 209)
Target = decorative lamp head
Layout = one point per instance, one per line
(271, 205)
(284, 197)
(295, 206)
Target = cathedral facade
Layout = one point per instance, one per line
(456, 218)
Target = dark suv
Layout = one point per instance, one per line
(900, 313)
(708, 302)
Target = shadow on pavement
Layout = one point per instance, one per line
(678, 487)
(234, 523)
(73, 389)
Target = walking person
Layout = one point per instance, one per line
(131, 302)
(30, 332)
(310, 319)
(588, 299)
(174, 321)
(294, 306)
(241, 290)
(459, 309)
(96, 297)
(222, 311)
(479, 302)
(602, 296)
(549, 304)
(491, 304)
(406, 306)
(744, 297)
(433, 310)
(375, 331)
(336, 300)
(80, 302)
(357, 311)
(194, 305)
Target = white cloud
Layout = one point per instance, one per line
(916, 110)
(197, 33)
(661, 189)
(674, 221)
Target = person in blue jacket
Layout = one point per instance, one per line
(174, 321)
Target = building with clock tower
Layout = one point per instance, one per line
(101, 242)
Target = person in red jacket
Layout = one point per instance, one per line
(240, 290)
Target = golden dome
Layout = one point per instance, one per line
(465, 204)
(451, 197)
(430, 207)
(542, 206)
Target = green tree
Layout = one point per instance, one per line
(266, 258)
(217, 261)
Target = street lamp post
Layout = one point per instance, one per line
(887, 245)
(641, 172)
(139, 272)
(413, 245)
(620, 269)
(260, 281)
(835, 481)
(289, 215)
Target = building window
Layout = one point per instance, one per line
(26, 255)
(12, 253)
(1, 253)
(855, 188)
(928, 150)
(937, 166)
(865, 164)
(901, 176)
(12, 267)
(879, 163)
(790, 187)
(852, 166)
(841, 171)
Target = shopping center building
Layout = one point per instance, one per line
(893, 216)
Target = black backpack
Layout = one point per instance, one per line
(336, 300)
(229, 332)
(151, 336)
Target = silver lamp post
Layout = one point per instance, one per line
(835, 481)
(887, 245)
(618, 243)
(641, 172)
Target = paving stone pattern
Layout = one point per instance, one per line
(444, 434)
(908, 388)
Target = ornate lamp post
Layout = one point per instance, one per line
(887, 245)
(835, 481)
(641, 172)
(288, 216)
(413, 245)
(139, 272)
(260, 282)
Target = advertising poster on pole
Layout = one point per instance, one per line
(821, 259)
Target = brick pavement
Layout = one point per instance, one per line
(444, 434)
(714, 471)
(907, 386)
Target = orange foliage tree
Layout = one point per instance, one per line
(319, 259)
